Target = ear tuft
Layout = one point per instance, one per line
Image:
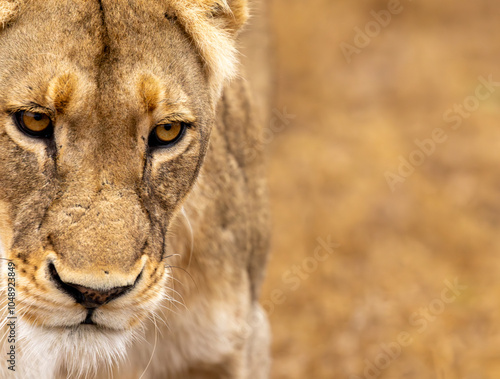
(8, 9)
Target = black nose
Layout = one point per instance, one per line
(88, 297)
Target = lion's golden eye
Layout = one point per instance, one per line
(34, 124)
(167, 134)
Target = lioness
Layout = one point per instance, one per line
(132, 198)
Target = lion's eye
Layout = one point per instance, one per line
(34, 124)
(166, 134)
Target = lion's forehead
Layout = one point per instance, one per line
(111, 48)
(170, 33)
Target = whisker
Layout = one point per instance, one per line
(154, 349)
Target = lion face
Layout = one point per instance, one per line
(106, 110)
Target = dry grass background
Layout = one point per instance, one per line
(353, 121)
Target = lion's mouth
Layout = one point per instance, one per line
(83, 326)
(88, 319)
(67, 307)
(89, 298)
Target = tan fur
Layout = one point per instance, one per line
(186, 226)
(8, 10)
(212, 25)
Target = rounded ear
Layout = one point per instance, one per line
(8, 9)
(233, 13)
(213, 26)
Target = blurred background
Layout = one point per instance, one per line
(384, 174)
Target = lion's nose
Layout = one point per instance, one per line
(88, 297)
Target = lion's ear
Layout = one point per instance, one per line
(213, 26)
(8, 9)
(233, 13)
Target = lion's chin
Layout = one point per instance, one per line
(80, 351)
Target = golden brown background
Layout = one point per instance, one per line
(353, 121)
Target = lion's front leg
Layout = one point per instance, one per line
(251, 361)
